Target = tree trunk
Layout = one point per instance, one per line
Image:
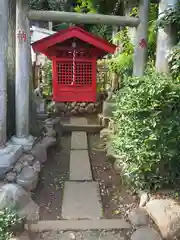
(11, 69)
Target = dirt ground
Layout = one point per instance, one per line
(84, 235)
(116, 200)
(49, 192)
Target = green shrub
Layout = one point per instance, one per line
(122, 64)
(8, 219)
(148, 135)
(47, 76)
(174, 61)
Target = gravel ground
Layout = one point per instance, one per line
(49, 192)
(116, 199)
(85, 235)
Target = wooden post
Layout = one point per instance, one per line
(140, 51)
(70, 17)
(22, 75)
(3, 69)
(164, 38)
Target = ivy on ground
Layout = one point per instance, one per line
(8, 219)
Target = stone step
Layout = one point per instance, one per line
(93, 128)
(70, 225)
(79, 141)
(80, 168)
(81, 200)
(78, 121)
(80, 124)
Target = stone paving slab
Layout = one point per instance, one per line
(78, 121)
(93, 128)
(80, 168)
(64, 225)
(79, 140)
(81, 200)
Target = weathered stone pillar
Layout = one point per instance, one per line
(22, 76)
(140, 51)
(11, 68)
(164, 38)
(8, 153)
(3, 69)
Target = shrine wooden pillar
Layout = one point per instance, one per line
(22, 76)
(140, 51)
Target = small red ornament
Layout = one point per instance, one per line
(22, 37)
(143, 43)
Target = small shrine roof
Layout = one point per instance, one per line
(66, 35)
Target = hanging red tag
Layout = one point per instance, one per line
(143, 43)
(21, 35)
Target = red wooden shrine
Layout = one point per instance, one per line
(74, 53)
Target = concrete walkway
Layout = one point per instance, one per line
(81, 198)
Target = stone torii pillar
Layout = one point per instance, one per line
(165, 37)
(140, 51)
(22, 84)
(3, 71)
(8, 152)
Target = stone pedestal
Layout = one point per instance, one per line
(26, 142)
(40, 106)
(8, 156)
